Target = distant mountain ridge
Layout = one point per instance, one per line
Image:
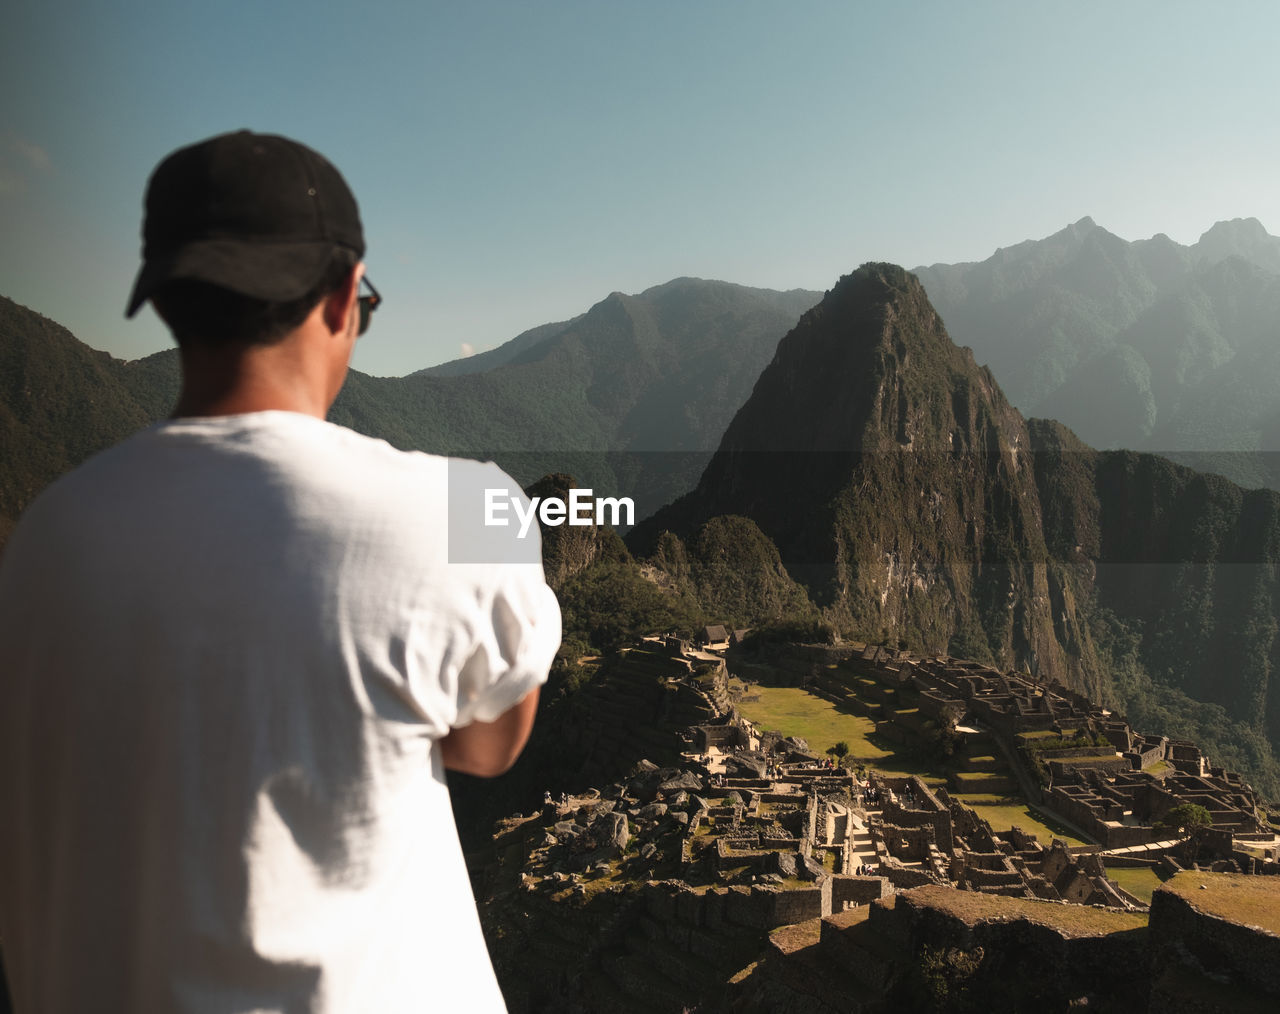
(490, 359)
(1146, 345)
(631, 396)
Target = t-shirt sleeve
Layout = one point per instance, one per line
(516, 627)
(516, 643)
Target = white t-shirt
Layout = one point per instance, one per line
(227, 649)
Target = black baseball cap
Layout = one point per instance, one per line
(258, 214)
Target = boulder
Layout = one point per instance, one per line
(647, 777)
(812, 869)
(745, 764)
(617, 831)
(684, 781)
(597, 810)
(654, 811)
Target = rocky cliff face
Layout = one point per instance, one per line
(897, 483)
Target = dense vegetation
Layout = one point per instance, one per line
(1164, 710)
(60, 402)
(630, 397)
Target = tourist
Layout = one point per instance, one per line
(236, 658)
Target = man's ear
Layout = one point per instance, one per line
(340, 304)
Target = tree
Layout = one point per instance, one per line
(1185, 818)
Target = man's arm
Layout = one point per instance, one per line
(490, 748)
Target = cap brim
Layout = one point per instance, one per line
(275, 272)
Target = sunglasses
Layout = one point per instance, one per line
(367, 304)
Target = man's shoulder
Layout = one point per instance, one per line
(458, 473)
(279, 463)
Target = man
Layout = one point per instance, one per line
(236, 657)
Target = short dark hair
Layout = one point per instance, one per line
(199, 312)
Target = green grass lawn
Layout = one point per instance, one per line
(1253, 901)
(1002, 814)
(1139, 881)
(796, 712)
(1072, 920)
(976, 776)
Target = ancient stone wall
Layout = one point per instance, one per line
(722, 737)
(854, 890)
(904, 877)
(907, 844)
(1185, 931)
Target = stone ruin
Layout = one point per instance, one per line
(1105, 791)
(753, 808)
(753, 831)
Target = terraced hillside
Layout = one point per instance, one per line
(886, 730)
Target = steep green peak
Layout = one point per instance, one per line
(870, 368)
(879, 308)
(889, 277)
(871, 291)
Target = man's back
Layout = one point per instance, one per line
(230, 646)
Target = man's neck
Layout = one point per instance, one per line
(257, 378)
(301, 372)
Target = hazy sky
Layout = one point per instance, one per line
(517, 162)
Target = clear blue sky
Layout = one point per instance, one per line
(517, 162)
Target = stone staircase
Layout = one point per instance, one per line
(859, 843)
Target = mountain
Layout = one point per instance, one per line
(631, 396)
(895, 480)
(503, 354)
(913, 501)
(1144, 345)
(1240, 237)
(61, 401)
